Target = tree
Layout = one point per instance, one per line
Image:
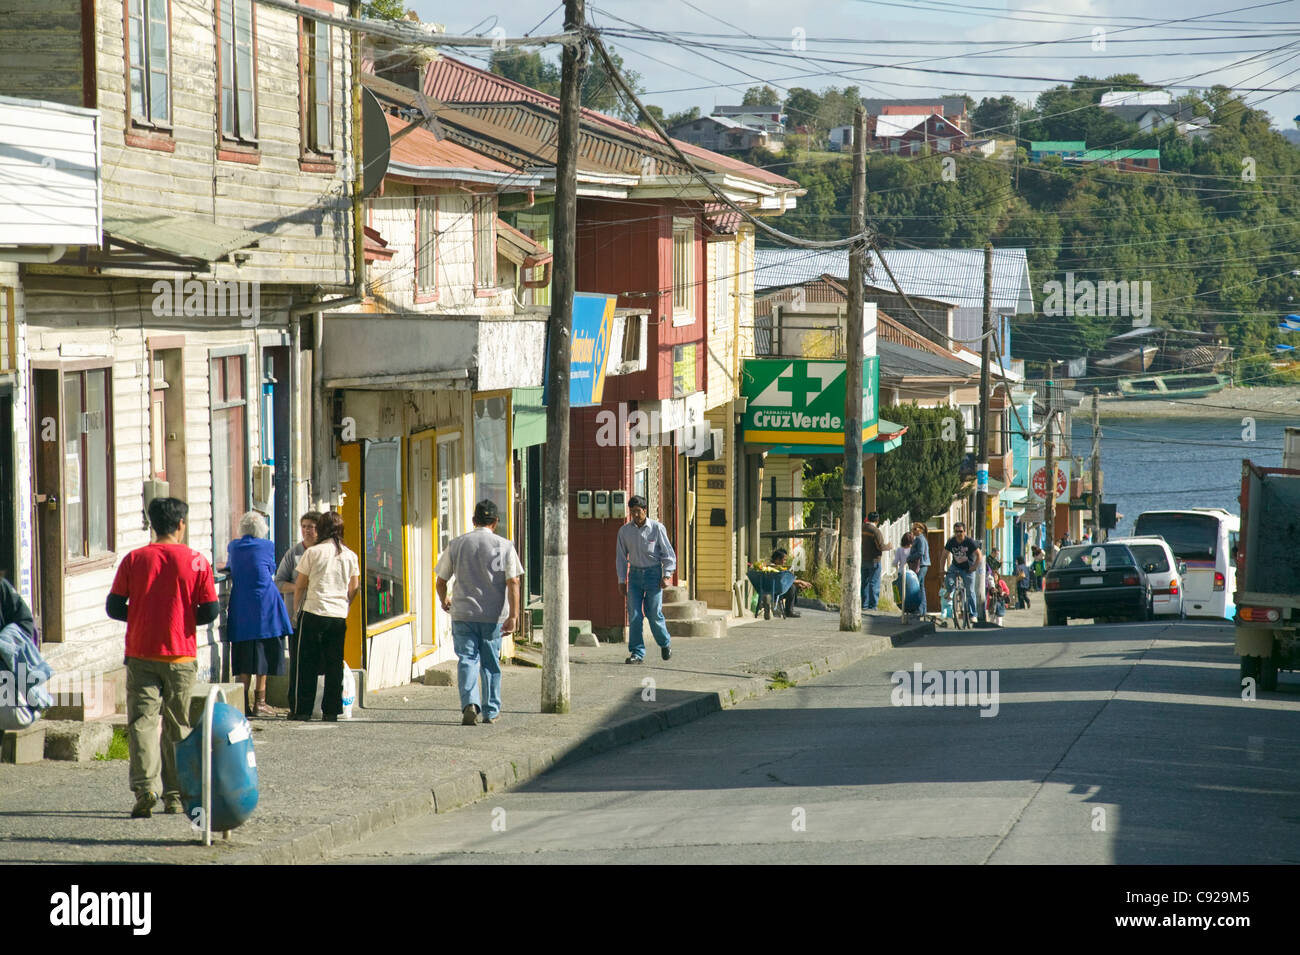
(528, 68)
(384, 10)
(802, 107)
(600, 93)
(684, 116)
(761, 96)
(997, 116)
(923, 475)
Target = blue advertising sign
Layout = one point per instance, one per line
(593, 330)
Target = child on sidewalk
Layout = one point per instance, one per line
(1022, 585)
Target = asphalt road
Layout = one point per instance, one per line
(1110, 744)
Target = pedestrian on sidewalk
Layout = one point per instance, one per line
(1022, 585)
(644, 561)
(1038, 568)
(285, 576)
(787, 599)
(873, 547)
(329, 576)
(920, 554)
(163, 591)
(902, 553)
(483, 605)
(257, 619)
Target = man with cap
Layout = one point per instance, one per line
(644, 561)
(487, 571)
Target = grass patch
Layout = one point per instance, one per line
(779, 681)
(117, 747)
(826, 584)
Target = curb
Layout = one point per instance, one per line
(470, 786)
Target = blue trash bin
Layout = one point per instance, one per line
(234, 769)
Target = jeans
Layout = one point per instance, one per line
(478, 651)
(154, 689)
(870, 585)
(645, 600)
(920, 575)
(320, 650)
(968, 578)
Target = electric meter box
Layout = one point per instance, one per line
(602, 505)
(618, 505)
(584, 504)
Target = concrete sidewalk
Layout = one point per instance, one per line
(325, 785)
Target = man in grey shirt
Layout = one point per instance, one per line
(487, 571)
(644, 561)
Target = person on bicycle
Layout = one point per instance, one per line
(961, 554)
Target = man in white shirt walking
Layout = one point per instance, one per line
(487, 571)
(644, 561)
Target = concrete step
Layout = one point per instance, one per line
(675, 595)
(578, 626)
(22, 746)
(87, 697)
(686, 610)
(76, 740)
(199, 697)
(706, 627)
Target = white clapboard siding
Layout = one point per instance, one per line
(49, 174)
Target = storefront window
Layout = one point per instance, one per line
(385, 556)
(492, 456)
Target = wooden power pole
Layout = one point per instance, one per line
(1049, 492)
(982, 448)
(555, 481)
(851, 520)
(1096, 466)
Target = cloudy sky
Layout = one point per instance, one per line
(707, 52)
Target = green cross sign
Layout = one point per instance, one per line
(801, 401)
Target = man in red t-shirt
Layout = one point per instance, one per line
(162, 591)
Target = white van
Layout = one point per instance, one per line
(1163, 570)
(1205, 539)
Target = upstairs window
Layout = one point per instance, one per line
(316, 90)
(148, 49)
(683, 271)
(426, 248)
(238, 91)
(485, 243)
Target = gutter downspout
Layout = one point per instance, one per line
(43, 257)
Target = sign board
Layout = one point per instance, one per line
(593, 330)
(801, 401)
(1038, 480)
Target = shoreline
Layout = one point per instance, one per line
(1278, 403)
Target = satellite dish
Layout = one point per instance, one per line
(376, 143)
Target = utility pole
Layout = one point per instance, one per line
(982, 449)
(555, 481)
(1049, 493)
(1096, 466)
(851, 519)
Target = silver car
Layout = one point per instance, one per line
(1164, 571)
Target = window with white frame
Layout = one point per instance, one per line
(426, 245)
(722, 284)
(485, 242)
(683, 271)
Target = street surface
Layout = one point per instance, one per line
(1125, 743)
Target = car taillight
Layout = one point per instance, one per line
(1218, 581)
(1173, 587)
(1051, 584)
(1130, 578)
(1259, 614)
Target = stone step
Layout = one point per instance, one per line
(675, 595)
(76, 740)
(686, 610)
(199, 698)
(707, 627)
(23, 746)
(578, 626)
(89, 697)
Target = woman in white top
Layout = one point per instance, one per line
(329, 576)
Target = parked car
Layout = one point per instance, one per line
(1164, 571)
(1100, 581)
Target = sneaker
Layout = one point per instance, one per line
(666, 652)
(632, 658)
(492, 719)
(144, 804)
(172, 804)
(469, 715)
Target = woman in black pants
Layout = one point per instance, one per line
(329, 576)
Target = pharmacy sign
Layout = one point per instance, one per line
(800, 402)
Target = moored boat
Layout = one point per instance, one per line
(1173, 386)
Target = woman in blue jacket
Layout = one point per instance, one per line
(920, 554)
(257, 621)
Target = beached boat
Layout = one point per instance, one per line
(1133, 359)
(1173, 386)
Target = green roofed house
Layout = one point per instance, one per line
(1130, 160)
(1066, 149)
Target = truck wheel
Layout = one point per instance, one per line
(1250, 667)
(1268, 674)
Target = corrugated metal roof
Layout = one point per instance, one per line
(185, 237)
(421, 148)
(1058, 146)
(453, 82)
(900, 361)
(955, 276)
(899, 124)
(1105, 155)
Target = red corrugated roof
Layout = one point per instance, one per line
(420, 147)
(451, 81)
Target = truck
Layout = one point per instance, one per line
(1268, 573)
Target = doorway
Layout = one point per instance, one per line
(434, 476)
(8, 492)
(47, 426)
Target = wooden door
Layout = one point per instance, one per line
(47, 490)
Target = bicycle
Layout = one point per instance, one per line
(961, 618)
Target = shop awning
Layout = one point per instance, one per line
(530, 418)
(132, 239)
